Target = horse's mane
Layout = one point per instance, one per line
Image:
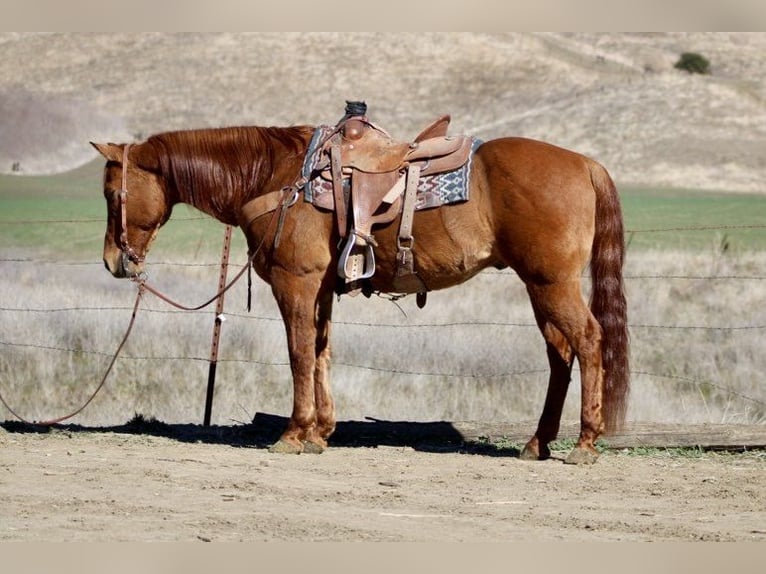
(220, 167)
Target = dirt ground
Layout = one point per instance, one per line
(75, 484)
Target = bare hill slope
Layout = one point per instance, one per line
(616, 97)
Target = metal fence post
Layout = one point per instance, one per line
(219, 319)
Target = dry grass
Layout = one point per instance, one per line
(614, 96)
(471, 354)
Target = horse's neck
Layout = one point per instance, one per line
(219, 203)
(210, 206)
(277, 156)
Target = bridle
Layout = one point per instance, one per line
(128, 253)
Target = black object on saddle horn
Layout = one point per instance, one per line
(355, 108)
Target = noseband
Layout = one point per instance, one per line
(128, 253)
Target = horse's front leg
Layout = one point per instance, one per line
(306, 315)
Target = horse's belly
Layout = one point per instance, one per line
(439, 265)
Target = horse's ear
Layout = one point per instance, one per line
(112, 152)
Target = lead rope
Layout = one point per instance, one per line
(103, 379)
(141, 281)
(142, 287)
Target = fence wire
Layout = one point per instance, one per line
(7, 341)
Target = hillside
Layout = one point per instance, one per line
(616, 97)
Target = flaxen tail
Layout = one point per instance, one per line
(608, 303)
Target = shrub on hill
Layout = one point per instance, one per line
(693, 63)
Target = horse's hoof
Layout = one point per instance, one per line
(528, 453)
(284, 447)
(533, 451)
(581, 455)
(312, 447)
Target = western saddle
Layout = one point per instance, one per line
(374, 179)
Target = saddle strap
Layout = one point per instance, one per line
(408, 209)
(406, 279)
(339, 195)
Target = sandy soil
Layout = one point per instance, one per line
(99, 485)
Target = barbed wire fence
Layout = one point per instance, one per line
(9, 314)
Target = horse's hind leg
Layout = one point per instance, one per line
(325, 405)
(562, 305)
(560, 358)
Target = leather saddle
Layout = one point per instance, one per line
(374, 179)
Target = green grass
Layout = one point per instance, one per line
(66, 212)
(693, 220)
(72, 205)
(79, 184)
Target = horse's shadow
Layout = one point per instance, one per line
(265, 429)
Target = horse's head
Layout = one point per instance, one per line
(137, 205)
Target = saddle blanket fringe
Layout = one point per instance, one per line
(433, 190)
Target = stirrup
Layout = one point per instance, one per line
(346, 256)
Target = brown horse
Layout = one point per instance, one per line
(539, 209)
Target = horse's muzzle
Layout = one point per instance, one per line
(120, 265)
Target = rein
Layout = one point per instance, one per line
(288, 199)
(100, 385)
